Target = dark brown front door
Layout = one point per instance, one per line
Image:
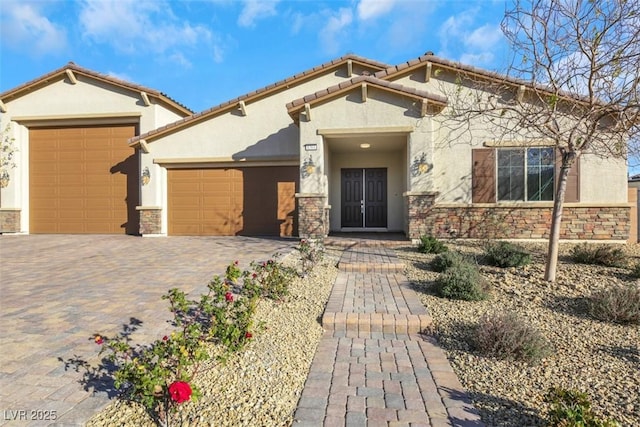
(364, 198)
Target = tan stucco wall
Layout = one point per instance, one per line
(602, 180)
(266, 133)
(87, 102)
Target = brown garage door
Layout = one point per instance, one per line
(227, 202)
(82, 180)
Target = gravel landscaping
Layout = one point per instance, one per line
(261, 385)
(599, 358)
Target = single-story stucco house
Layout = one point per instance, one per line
(350, 145)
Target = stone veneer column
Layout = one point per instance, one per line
(417, 207)
(150, 220)
(9, 220)
(313, 218)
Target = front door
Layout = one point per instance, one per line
(364, 198)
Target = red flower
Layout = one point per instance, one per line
(235, 262)
(228, 297)
(98, 339)
(254, 275)
(248, 335)
(165, 338)
(180, 391)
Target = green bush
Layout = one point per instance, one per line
(505, 254)
(271, 279)
(446, 260)
(618, 304)
(607, 255)
(571, 408)
(507, 336)
(461, 281)
(431, 245)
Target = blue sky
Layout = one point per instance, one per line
(204, 52)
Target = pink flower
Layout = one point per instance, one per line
(98, 339)
(180, 391)
(228, 297)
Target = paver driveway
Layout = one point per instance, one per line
(56, 291)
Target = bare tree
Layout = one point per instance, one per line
(573, 84)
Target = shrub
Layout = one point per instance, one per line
(619, 304)
(635, 271)
(607, 255)
(571, 408)
(431, 245)
(311, 253)
(158, 375)
(446, 260)
(507, 336)
(461, 281)
(505, 254)
(272, 279)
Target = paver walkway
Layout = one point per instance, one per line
(372, 366)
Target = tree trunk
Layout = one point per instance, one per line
(568, 159)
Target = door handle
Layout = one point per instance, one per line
(362, 206)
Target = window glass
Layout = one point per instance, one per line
(511, 174)
(526, 174)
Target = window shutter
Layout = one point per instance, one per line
(483, 176)
(572, 192)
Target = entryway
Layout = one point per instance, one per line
(364, 198)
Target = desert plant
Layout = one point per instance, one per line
(461, 281)
(618, 304)
(607, 255)
(572, 408)
(430, 245)
(504, 254)
(635, 271)
(446, 260)
(508, 336)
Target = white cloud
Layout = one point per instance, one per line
(23, 27)
(461, 39)
(330, 35)
(134, 26)
(487, 35)
(477, 59)
(254, 10)
(371, 9)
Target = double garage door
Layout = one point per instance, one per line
(83, 180)
(232, 201)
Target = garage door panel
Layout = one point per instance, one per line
(250, 201)
(72, 185)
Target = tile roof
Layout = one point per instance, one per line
(265, 91)
(298, 104)
(61, 72)
(400, 69)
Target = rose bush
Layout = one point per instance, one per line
(159, 375)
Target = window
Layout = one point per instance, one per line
(525, 174)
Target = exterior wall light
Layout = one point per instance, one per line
(365, 145)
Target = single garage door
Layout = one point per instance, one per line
(82, 180)
(256, 201)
